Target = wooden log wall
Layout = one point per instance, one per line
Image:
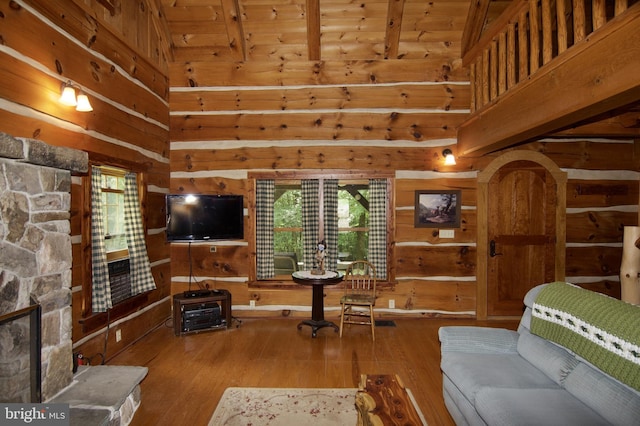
(117, 58)
(233, 117)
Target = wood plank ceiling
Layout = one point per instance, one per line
(277, 31)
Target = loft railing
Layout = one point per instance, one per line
(34, 311)
(528, 35)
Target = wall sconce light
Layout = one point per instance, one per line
(449, 158)
(68, 97)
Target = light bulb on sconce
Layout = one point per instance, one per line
(68, 97)
(449, 158)
(83, 103)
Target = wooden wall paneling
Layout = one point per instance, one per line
(315, 126)
(301, 157)
(433, 295)
(288, 73)
(586, 154)
(130, 333)
(598, 226)
(406, 96)
(406, 232)
(79, 22)
(28, 86)
(593, 261)
(451, 261)
(208, 185)
(610, 288)
(157, 246)
(227, 261)
(156, 210)
(597, 194)
(21, 126)
(72, 61)
(405, 188)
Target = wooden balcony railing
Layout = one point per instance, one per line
(527, 36)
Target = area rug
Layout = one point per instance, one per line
(285, 407)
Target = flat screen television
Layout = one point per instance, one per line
(204, 217)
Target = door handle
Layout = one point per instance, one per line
(492, 249)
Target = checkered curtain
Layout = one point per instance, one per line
(378, 226)
(140, 270)
(265, 196)
(310, 220)
(330, 188)
(100, 288)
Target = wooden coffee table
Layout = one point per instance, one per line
(383, 400)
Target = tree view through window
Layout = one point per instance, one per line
(353, 220)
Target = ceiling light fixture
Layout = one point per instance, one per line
(449, 158)
(68, 97)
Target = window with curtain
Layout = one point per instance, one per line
(119, 262)
(349, 215)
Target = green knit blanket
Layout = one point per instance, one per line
(602, 330)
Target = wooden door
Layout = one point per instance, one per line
(522, 234)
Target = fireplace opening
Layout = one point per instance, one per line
(21, 339)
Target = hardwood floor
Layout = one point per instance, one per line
(188, 374)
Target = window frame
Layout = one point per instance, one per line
(280, 281)
(120, 173)
(89, 320)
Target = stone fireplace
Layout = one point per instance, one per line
(35, 261)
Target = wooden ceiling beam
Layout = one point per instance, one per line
(476, 18)
(159, 20)
(394, 23)
(595, 76)
(313, 29)
(623, 126)
(235, 31)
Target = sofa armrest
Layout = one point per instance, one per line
(480, 340)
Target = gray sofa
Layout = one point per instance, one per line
(495, 376)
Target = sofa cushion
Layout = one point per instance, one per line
(472, 372)
(553, 360)
(461, 410)
(534, 407)
(477, 340)
(617, 403)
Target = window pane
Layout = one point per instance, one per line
(113, 212)
(287, 218)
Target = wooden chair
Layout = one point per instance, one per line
(360, 296)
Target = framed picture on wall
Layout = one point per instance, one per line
(437, 209)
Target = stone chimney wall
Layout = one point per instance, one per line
(35, 260)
